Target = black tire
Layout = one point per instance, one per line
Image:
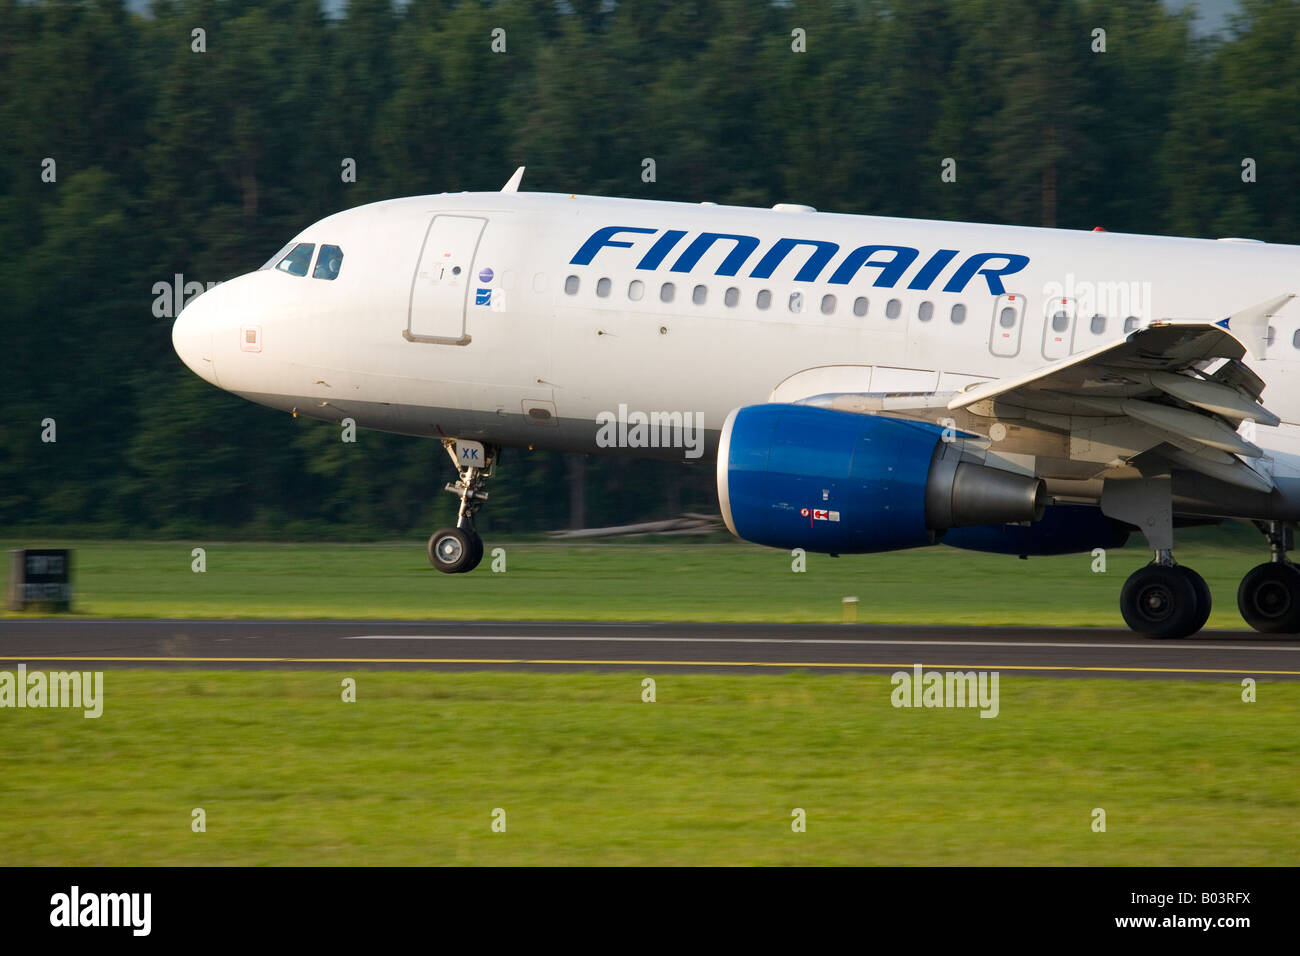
(452, 550)
(1269, 598)
(1161, 601)
(477, 543)
(1204, 599)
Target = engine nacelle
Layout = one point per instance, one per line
(1063, 529)
(796, 476)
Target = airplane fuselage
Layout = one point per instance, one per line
(522, 318)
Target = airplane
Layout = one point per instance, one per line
(865, 384)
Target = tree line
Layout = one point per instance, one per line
(196, 137)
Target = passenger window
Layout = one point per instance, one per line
(1008, 318)
(1270, 335)
(1098, 324)
(1130, 324)
(925, 311)
(1295, 339)
(859, 306)
(635, 289)
(298, 259)
(667, 291)
(828, 305)
(796, 301)
(602, 288)
(700, 294)
(958, 314)
(764, 299)
(893, 308)
(571, 285)
(731, 297)
(328, 263)
(1060, 321)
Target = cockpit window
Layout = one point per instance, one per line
(277, 257)
(327, 266)
(298, 259)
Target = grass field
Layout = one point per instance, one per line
(588, 774)
(613, 581)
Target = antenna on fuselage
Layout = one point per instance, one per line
(513, 185)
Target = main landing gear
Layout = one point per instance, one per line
(460, 549)
(1167, 600)
(1163, 599)
(1269, 596)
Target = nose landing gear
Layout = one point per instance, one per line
(460, 549)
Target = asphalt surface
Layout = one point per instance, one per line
(532, 645)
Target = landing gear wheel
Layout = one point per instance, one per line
(1162, 601)
(1204, 600)
(1269, 598)
(453, 550)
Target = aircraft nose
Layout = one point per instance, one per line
(192, 337)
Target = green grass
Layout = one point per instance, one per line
(588, 774)
(611, 581)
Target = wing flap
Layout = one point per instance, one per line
(1222, 400)
(1227, 468)
(1178, 391)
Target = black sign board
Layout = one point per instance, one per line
(40, 578)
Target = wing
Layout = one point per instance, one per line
(1171, 395)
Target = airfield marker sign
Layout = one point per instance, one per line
(40, 577)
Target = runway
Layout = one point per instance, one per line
(642, 646)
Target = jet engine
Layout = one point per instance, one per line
(797, 476)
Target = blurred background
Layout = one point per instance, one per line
(169, 161)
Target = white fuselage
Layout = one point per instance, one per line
(513, 319)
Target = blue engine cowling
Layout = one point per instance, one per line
(797, 476)
(1063, 529)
